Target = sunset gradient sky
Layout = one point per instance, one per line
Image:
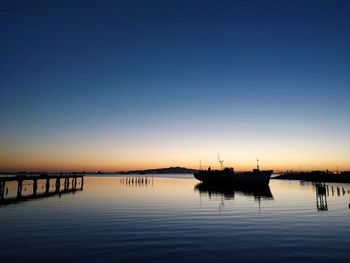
(119, 85)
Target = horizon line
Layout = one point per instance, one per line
(112, 171)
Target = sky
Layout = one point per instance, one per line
(119, 85)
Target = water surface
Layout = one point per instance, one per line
(175, 219)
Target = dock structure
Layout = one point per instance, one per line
(70, 183)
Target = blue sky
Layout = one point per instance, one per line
(148, 83)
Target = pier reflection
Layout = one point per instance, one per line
(323, 191)
(15, 189)
(321, 197)
(228, 192)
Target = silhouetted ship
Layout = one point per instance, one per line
(228, 176)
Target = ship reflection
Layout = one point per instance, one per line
(228, 192)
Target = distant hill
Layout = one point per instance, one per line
(170, 170)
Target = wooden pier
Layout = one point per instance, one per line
(70, 183)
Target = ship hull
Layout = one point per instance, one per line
(255, 177)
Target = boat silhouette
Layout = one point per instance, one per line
(228, 176)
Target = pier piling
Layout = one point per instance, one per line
(2, 190)
(35, 186)
(19, 188)
(58, 184)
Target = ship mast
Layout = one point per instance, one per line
(257, 163)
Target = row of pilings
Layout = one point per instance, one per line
(137, 181)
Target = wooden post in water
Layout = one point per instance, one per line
(35, 186)
(58, 184)
(2, 189)
(65, 184)
(82, 182)
(47, 186)
(19, 188)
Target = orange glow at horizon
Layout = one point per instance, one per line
(13, 162)
(112, 150)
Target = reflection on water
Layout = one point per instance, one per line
(321, 197)
(323, 191)
(229, 191)
(24, 188)
(139, 218)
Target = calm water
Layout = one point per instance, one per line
(175, 220)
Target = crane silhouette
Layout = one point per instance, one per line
(221, 162)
